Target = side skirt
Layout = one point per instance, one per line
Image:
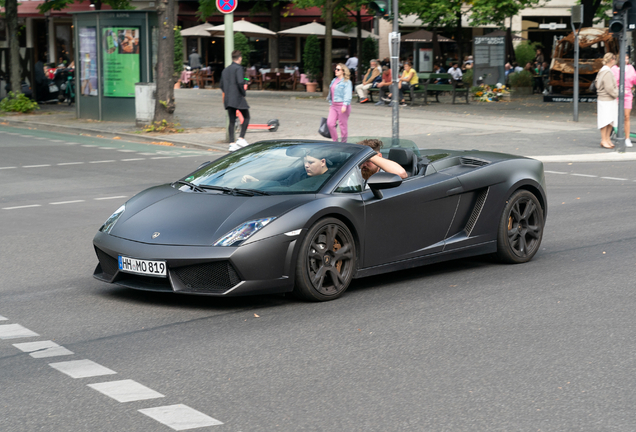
(480, 249)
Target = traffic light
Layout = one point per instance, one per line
(621, 5)
(381, 8)
(619, 8)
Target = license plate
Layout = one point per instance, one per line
(144, 267)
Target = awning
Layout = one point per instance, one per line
(424, 36)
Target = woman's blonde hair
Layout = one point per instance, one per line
(346, 73)
(608, 58)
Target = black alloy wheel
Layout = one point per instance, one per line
(326, 261)
(520, 229)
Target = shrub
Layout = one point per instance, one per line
(369, 52)
(243, 45)
(467, 78)
(19, 103)
(526, 52)
(312, 58)
(521, 79)
(178, 51)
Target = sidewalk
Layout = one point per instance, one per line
(526, 126)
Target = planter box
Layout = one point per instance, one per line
(521, 92)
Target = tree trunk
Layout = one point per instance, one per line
(358, 39)
(98, 4)
(327, 73)
(11, 12)
(164, 76)
(589, 10)
(460, 50)
(274, 26)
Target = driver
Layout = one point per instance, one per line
(315, 163)
(377, 163)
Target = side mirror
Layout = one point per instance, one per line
(203, 164)
(383, 180)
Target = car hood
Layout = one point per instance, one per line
(174, 217)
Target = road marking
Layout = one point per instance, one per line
(106, 148)
(8, 167)
(584, 175)
(35, 166)
(67, 202)
(71, 143)
(3, 318)
(162, 157)
(21, 207)
(82, 368)
(40, 138)
(88, 145)
(113, 197)
(194, 155)
(15, 331)
(70, 163)
(56, 140)
(133, 159)
(180, 417)
(614, 178)
(104, 161)
(555, 172)
(127, 151)
(126, 390)
(43, 349)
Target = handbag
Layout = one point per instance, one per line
(323, 129)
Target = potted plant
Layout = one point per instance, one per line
(178, 56)
(313, 62)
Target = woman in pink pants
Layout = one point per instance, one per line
(630, 81)
(339, 99)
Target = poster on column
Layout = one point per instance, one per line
(88, 61)
(121, 61)
(426, 60)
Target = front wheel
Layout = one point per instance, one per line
(520, 228)
(326, 261)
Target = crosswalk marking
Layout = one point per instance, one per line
(180, 417)
(126, 390)
(43, 349)
(15, 331)
(82, 368)
(3, 318)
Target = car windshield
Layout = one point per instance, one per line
(273, 168)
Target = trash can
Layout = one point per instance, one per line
(145, 103)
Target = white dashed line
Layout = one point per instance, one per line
(148, 154)
(106, 148)
(584, 175)
(71, 143)
(43, 349)
(35, 166)
(127, 151)
(67, 202)
(21, 207)
(133, 159)
(88, 145)
(104, 161)
(126, 390)
(82, 368)
(70, 163)
(162, 157)
(1, 168)
(56, 141)
(180, 417)
(194, 155)
(3, 318)
(109, 198)
(15, 331)
(555, 172)
(614, 178)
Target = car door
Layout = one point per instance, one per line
(410, 220)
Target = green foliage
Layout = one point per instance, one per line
(19, 103)
(242, 44)
(312, 58)
(526, 52)
(163, 126)
(63, 4)
(369, 52)
(178, 51)
(521, 79)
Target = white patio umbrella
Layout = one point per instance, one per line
(242, 26)
(199, 31)
(353, 33)
(313, 28)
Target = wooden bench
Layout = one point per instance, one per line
(426, 85)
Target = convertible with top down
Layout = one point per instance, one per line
(258, 221)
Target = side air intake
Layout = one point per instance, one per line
(479, 206)
(470, 161)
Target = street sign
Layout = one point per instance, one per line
(553, 26)
(226, 6)
(577, 14)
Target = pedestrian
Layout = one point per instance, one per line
(352, 64)
(233, 88)
(630, 81)
(374, 74)
(607, 103)
(339, 99)
(195, 65)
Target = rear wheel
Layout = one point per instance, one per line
(326, 261)
(520, 228)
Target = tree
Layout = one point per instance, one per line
(242, 44)
(594, 10)
(312, 57)
(63, 4)
(178, 51)
(369, 52)
(165, 74)
(11, 13)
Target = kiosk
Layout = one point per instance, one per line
(114, 50)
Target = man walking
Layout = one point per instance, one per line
(233, 88)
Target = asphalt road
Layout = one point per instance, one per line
(466, 345)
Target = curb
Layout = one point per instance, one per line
(75, 130)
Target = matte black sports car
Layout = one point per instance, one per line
(260, 221)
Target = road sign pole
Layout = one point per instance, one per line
(394, 46)
(619, 141)
(228, 22)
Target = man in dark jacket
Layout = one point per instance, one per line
(233, 88)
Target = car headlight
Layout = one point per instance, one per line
(112, 220)
(243, 232)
